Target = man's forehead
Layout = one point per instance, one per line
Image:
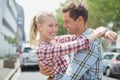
(66, 19)
(66, 14)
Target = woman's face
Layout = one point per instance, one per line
(48, 29)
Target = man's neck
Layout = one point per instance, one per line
(83, 30)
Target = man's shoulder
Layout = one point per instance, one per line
(96, 42)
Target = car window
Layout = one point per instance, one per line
(28, 49)
(118, 57)
(108, 57)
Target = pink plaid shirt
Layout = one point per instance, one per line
(52, 54)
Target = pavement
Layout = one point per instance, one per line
(8, 73)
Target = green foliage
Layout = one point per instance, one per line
(61, 29)
(1, 57)
(11, 40)
(102, 12)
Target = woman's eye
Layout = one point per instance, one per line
(56, 25)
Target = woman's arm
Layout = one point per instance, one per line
(60, 49)
(65, 38)
(55, 50)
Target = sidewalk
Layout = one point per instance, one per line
(8, 73)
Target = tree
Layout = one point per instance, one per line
(103, 12)
(61, 29)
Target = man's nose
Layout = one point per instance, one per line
(64, 25)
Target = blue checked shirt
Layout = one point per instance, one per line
(86, 64)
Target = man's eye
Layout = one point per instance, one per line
(66, 21)
(50, 25)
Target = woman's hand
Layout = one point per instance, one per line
(99, 32)
(110, 35)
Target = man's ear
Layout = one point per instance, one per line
(80, 19)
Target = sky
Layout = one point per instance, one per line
(32, 7)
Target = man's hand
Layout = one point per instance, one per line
(46, 70)
(110, 35)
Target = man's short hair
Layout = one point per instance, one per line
(75, 10)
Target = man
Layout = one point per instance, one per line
(86, 65)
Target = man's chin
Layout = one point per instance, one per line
(70, 33)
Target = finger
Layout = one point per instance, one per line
(48, 70)
(49, 73)
(113, 37)
(43, 67)
(114, 34)
(109, 37)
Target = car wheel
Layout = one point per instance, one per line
(108, 72)
(23, 68)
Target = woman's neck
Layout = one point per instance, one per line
(44, 39)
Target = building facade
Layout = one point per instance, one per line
(20, 24)
(9, 27)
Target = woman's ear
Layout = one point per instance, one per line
(39, 27)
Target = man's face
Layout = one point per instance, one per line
(71, 25)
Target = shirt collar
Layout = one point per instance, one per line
(87, 31)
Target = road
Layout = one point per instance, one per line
(32, 76)
(31, 73)
(111, 78)
(35, 75)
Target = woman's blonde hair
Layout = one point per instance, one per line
(39, 18)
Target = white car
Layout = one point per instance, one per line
(111, 64)
(28, 58)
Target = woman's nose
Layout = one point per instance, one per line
(55, 28)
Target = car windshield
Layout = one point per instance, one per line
(108, 57)
(28, 49)
(118, 57)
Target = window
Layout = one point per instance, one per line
(27, 49)
(118, 57)
(108, 56)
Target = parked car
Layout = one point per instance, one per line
(28, 58)
(111, 64)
